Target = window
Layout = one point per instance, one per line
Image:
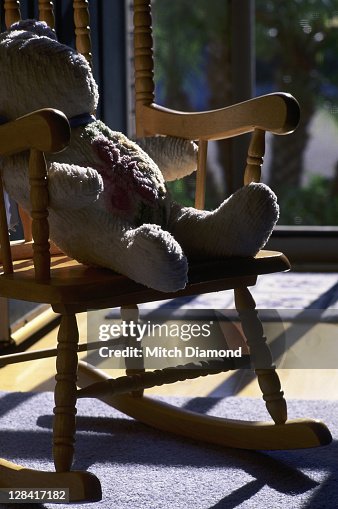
(211, 54)
(296, 52)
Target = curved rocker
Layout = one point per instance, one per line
(294, 434)
(83, 486)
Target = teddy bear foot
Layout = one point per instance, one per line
(246, 220)
(154, 258)
(240, 226)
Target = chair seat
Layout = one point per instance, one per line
(82, 287)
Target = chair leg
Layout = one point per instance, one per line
(83, 486)
(65, 394)
(131, 314)
(261, 356)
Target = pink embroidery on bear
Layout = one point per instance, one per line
(125, 185)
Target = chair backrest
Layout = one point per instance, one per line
(46, 13)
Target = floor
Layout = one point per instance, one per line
(306, 372)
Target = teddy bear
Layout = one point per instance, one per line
(108, 201)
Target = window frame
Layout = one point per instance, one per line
(307, 247)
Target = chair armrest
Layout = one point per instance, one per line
(278, 113)
(42, 131)
(45, 130)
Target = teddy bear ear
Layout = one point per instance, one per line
(36, 27)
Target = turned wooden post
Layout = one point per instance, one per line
(82, 28)
(143, 60)
(255, 157)
(5, 248)
(12, 12)
(26, 221)
(39, 214)
(46, 12)
(131, 314)
(261, 356)
(201, 174)
(145, 87)
(64, 425)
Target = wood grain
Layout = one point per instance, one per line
(39, 214)
(255, 157)
(82, 28)
(261, 356)
(46, 12)
(65, 394)
(12, 12)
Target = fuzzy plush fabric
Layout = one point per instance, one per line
(175, 156)
(108, 200)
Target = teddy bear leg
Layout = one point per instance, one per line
(147, 254)
(151, 256)
(240, 226)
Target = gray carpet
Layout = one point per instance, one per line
(287, 290)
(143, 468)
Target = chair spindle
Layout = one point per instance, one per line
(26, 221)
(39, 213)
(12, 12)
(46, 12)
(82, 28)
(5, 250)
(143, 60)
(255, 157)
(131, 314)
(201, 174)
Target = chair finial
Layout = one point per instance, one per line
(82, 28)
(12, 12)
(46, 12)
(143, 55)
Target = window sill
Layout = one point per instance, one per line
(310, 246)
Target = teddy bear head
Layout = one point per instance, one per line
(39, 72)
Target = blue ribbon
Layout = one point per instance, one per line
(82, 119)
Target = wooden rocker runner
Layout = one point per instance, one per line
(37, 272)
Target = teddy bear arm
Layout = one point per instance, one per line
(71, 186)
(176, 157)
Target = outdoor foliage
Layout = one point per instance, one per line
(314, 204)
(296, 50)
(188, 37)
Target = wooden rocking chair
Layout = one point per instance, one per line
(35, 271)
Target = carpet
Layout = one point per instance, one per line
(286, 290)
(305, 300)
(140, 467)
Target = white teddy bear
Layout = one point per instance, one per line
(108, 203)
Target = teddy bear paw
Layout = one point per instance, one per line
(159, 260)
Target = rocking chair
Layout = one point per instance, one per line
(35, 271)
